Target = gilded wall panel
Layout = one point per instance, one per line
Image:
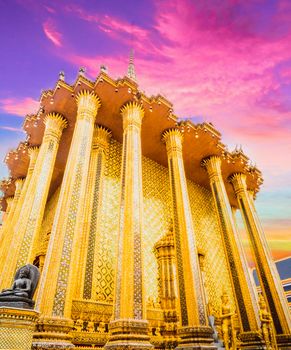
(209, 244)
(157, 220)
(47, 224)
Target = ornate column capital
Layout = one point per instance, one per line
(101, 137)
(54, 125)
(251, 194)
(239, 183)
(173, 138)
(132, 114)
(18, 186)
(212, 164)
(33, 153)
(8, 202)
(88, 104)
(18, 183)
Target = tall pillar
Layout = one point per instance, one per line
(61, 268)
(11, 208)
(33, 153)
(100, 145)
(267, 272)
(165, 253)
(9, 201)
(9, 234)
(129, 329)
(194, 330)
(28, 226)
(5, 220)
(13, 204)
(246, 307)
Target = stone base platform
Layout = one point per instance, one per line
(16, 328)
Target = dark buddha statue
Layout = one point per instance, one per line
(24, 285)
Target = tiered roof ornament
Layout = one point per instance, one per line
(131, 68)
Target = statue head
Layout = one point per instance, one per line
(24, 272)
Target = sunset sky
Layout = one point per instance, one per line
(227, 62)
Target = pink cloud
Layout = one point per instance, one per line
(52, 33)
(50, 9)
(118, 29)
(19, 107)
(210, 62)
(10, 128)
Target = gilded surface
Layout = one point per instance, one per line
(16, 328)
(210, 245)
(157, 218)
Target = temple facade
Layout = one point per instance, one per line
(129, 214)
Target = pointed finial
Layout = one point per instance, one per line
(62, 75)
(131, 69)
(82, 71)
(104, 69)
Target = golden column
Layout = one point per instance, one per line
(100, 145)
(165, 252)
(8, 233)
(28, 226)
(10, 211)
(129, 329)
(61, 268)
(245, 300)
(13, 204)
(195, 332)
(266, 269)
(33, 153)
(9, 201)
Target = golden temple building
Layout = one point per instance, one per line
(129, 214)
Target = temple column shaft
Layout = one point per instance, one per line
(92, 216)
(58, 281)
(129, 327)
(9, 201)
(14, 202)
(192, 308)
(28, 225)
(33, 153)
(9, 234)
(245, 300)
(5, 237)
(10, 212)
(3, 230)
(266, 269)
(165, 253)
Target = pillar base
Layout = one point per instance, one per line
(16, 328)
(252, 341)
(284, 341)
(128, 334)
(196, 338)
(53, 333)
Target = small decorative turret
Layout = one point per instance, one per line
(131, 69)
(62, 75)
(104, 69)
(82, 71)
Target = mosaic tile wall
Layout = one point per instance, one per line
(157, 219)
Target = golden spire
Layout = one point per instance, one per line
(131, 69)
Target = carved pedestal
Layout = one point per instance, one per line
(129, 334)
(196, 338)
(53, 333)
(16, 328)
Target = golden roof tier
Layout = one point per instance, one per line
(200, 140)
